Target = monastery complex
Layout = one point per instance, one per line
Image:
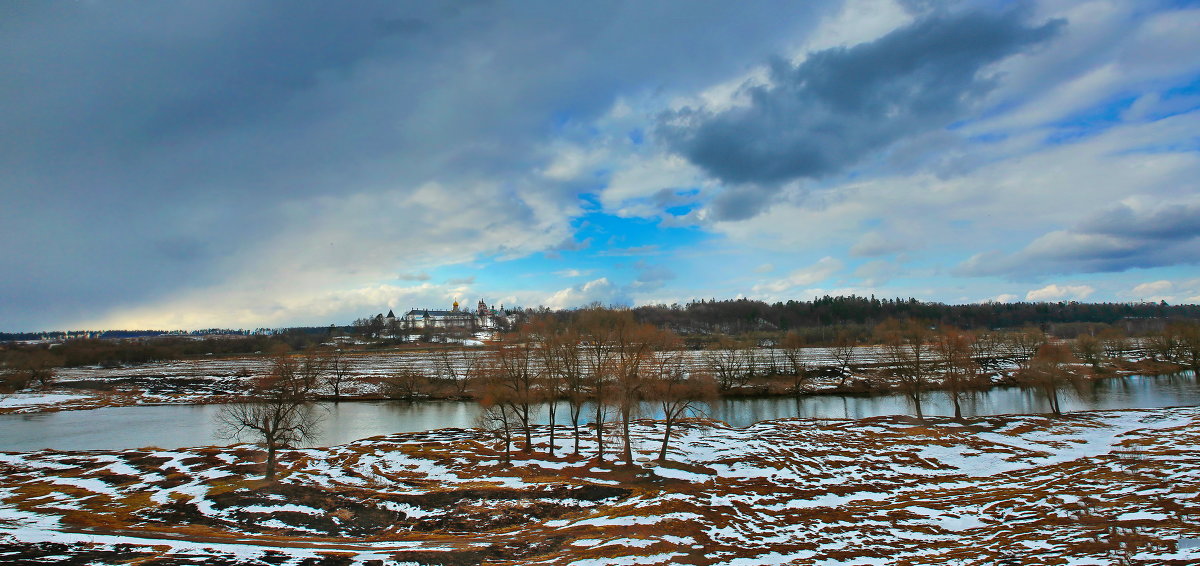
(482, 317)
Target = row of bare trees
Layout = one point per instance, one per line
(1177, 343)
(605, 362)
(920, 358)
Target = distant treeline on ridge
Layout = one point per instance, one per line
(746, 315)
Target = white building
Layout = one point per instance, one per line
(482, 318)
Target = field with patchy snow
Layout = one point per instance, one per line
(221, 380)
(1116, 487)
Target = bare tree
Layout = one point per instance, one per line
(337, 371)
(556, 365)
(1162, 345)
(497, 417)
(636, 346)
(1116, 345)
(909, 357)
(727, 360)
(511, 369)
(1025, 343)
(1089, 349)
(564, 358)
(406, 383)
(458, 367)
(677, 392)
(960, 373)
(988, 349)
(1053, 367)
(792, 347)
(596, 328)
(278, 411)
(844, 352)
(1189, 344)
(26, 367)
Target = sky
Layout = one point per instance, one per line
(190, 165)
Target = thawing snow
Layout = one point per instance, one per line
(22, 400)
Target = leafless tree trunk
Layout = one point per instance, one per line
(339, 369)
(513, 370)
(596, 326)
(457, 366)
(498, 420)
(960, 373)
(569, 363)
(636, 345)
(406, 384)
(1116, 345)
(677, 393)
(908, 351)
(278, 411)
(845, 351)
(1049, 370)
(1025, 343)
(728, 361)
(792, 347)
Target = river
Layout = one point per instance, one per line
(175, 426)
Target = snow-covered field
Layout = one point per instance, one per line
(220, 380)
(1115, 487)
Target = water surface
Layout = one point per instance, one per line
(175, 426)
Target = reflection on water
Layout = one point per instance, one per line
(1117, 393)
(173, 426)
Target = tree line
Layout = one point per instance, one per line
(822, 316)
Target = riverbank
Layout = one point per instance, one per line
(1095, 487)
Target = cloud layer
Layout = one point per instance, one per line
(842, 105)
(269, 164)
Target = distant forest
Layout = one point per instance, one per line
(744, 315)
(116, 334)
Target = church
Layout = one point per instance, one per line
(482, 318)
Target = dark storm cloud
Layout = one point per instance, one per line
(1116, 239)
(147, 148)
(841, 105)
(1178, 222)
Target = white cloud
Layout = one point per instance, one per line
(823, 269)
(1003, 298)
(859, 21)
(1108, 49)
(877, 273)
(572, 162)
(646, 177)
(1055, 292)
(599, 290)
(1171, 291)
(874, 244)
(1155, 288)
